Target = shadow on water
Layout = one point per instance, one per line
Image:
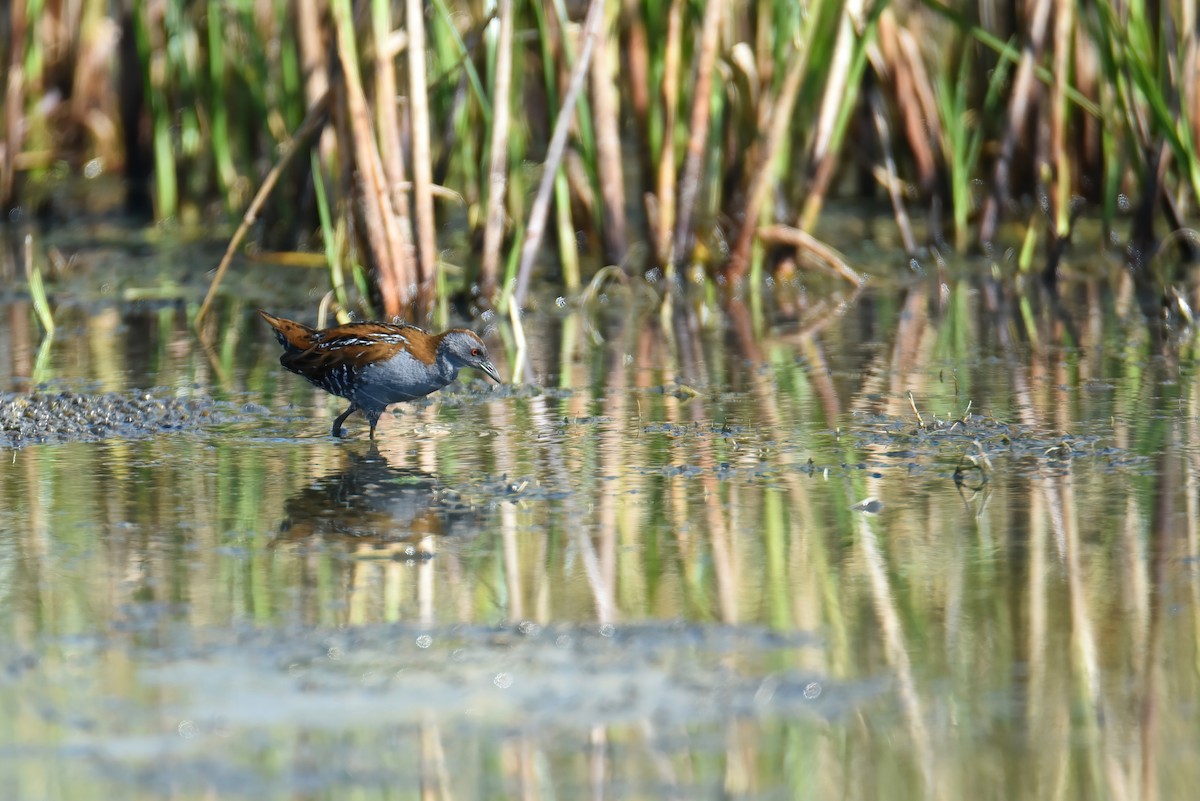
(857, 547)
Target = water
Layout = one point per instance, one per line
(731, 560)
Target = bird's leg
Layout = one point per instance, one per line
(373, 419)
(337, 424)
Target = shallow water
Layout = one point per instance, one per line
(714, 554)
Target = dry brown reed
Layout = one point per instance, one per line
(609, 163)
(390, 140)
(14, 102)
(689, 183)
(493, 234)
(1021, 102)
(422, 154)
(664, 219)
(763, 176)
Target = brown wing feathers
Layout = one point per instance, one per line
(330, 358)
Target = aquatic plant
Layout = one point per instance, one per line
(721, 121)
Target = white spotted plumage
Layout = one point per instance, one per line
(366, 340)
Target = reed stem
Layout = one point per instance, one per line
(558, 140)
(493, 232)
(608, 149)
(422, 157)
(383, 237)
(689, 185)
(387, 119)
(764, 172)
(14, 105)
(667, 168)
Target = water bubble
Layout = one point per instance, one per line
(560, 302)
(608, 630)
(503, 680)
(871, 506)
(187, 729)
(93, 168)
(812, 690)
(334, 653)
(424, 641)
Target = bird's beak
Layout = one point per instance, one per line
(490, 371)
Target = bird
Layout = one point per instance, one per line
(374, 365)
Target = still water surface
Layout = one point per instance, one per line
(682, 558)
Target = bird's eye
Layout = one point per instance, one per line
(474, 351)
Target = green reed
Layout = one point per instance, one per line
(1149, 86)
(963, 134)
(226, 173)
(224, 85)
(37, 289)
(337, 278)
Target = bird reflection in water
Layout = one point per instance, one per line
(392, 512)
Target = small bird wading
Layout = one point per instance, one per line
(374, 365)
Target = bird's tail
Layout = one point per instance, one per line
(291, 334)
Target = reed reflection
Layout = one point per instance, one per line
(1028, 588)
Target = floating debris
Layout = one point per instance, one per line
(29, 419)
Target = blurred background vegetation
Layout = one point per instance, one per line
(390, 139)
